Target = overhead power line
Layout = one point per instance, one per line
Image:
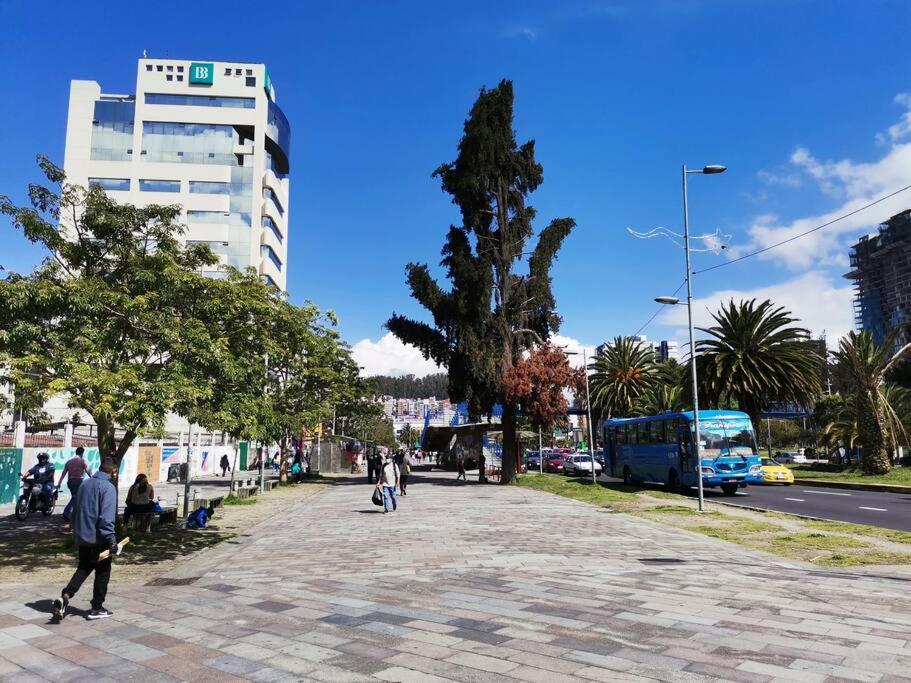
(660, 308)
(803, 234)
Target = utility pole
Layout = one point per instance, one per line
(186, 485)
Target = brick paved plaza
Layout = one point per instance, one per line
(471, 583)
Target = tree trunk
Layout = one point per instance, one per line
(508, 471)
(874, 457)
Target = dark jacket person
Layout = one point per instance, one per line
(93, 526)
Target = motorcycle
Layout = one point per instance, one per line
(31, 500)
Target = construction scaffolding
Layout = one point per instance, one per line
(881, 271)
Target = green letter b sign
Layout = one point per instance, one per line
(201, 73)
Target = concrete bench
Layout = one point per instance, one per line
(146, 521)
(214, 501)
(270, 484)
(244, 491)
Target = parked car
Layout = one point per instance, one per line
(554, 464)
(532, 460)
(581, 464)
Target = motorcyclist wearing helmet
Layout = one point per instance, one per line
(43, 475)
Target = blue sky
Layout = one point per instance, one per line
(802, 100)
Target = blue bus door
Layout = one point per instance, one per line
(611, 444)
(684, 450)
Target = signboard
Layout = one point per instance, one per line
(150, 462)
(202, 73)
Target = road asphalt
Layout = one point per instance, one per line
(876, 508)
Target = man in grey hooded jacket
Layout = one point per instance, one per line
(93, 525)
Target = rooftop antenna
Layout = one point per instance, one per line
(144, 55)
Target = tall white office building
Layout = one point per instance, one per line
(208, 136)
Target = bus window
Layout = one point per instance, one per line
(643, 432)
(632, 434)
(658, 431)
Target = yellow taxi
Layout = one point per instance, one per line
(773, 472)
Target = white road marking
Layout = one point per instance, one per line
(827, 493)
(796, 500)
(874, 509)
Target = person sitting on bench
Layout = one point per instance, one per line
(140, 498)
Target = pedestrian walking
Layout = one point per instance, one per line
(371, 466)
(224, 464)
(140, 498)
(93, 525)
(388, 481)
(405, 471)
(73, 470)
(482, 468)
(461, 466)
(275, 464)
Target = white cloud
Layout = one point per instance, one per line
(820, 303)
(522, 31)
(852, 185)
(390, 356)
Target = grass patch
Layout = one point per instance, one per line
(861, 530)
(675, 510)
(871, 557)
(234, 500)
(900, 476)
(581, 489)
(811, 540)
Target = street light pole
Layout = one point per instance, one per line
(689, 314)
(540, 453)
(588, 405)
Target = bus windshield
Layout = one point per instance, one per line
(724, 438)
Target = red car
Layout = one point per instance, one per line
(554, 464)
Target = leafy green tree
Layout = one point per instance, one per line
(407, 436)
(622, 377)
(756, 355)
(491, 313)
(308, 369)
(669, 392)
(879, 426)
(104, 317)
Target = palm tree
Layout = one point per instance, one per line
(756, 356)
(624, 373)
(662, 398)
(879, 425)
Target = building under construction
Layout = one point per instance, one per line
(881, 270)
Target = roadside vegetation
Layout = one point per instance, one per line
(824, 543)
(900, 476)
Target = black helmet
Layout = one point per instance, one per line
(43, 457)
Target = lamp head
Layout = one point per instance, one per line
(715, 168)
(667, 300)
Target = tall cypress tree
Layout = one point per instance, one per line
(491, 313)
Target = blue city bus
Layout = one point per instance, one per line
(659, 449)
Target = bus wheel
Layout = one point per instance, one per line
(673, 481)
(729, 489)
(627, 476)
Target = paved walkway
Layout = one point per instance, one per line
(472, 583)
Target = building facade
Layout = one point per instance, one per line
(208, 136)
(881, 271)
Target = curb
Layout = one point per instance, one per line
(888, 488)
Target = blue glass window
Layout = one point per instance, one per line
(159, 186)
(205, 187)
(268, 193)
(201, 101)
(111, 183)
(190, 143)
(266, 250)
(269, 223)
(112, 130)
(226, 217)
(268, 280)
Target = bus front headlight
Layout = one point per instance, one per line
(708, 470)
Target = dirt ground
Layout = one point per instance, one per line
(39, 550)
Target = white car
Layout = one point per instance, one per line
(580, 464)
